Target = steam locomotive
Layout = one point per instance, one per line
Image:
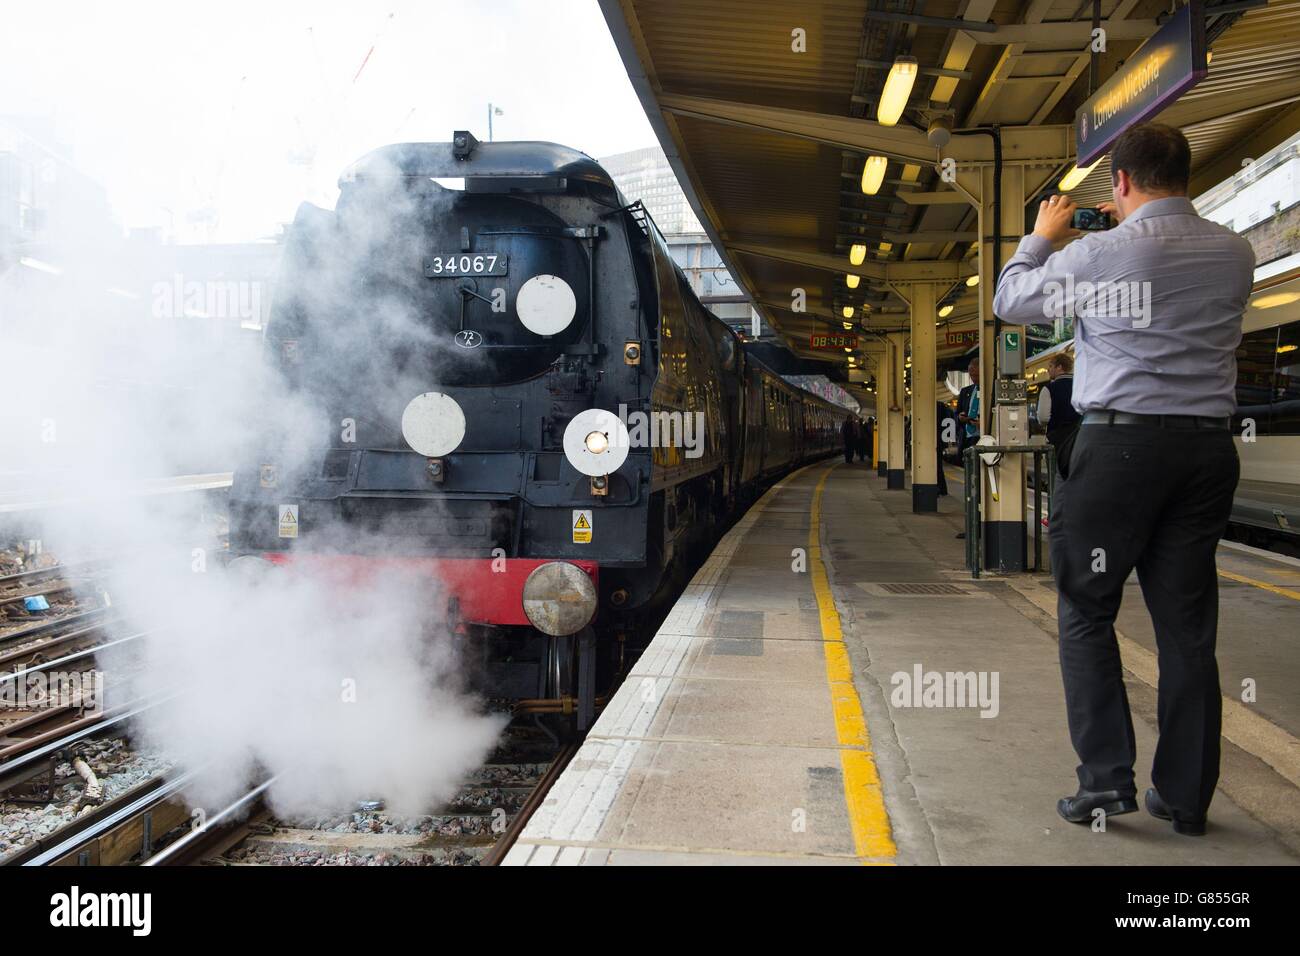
(509, 387)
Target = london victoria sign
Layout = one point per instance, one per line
(1171, 62)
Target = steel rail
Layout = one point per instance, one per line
(499, 849)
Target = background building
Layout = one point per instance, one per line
(43, 195)
(1262, 203)
(644, 174)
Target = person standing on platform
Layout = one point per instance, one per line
(848, 432)
(968, 415)
(864, 436)
(942, 414)
(968, 419)
(1158, 303)
(1056, 411)
(973, 414)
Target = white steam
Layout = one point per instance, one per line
(344, 690)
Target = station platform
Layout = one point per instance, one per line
(767, 721)
(21, 493)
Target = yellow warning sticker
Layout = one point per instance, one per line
(288, 521)
(582, 527)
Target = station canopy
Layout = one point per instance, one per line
(746, 95)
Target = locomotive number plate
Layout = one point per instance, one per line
(452, 265)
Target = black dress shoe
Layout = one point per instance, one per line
(1188, 826)
(1079, 808)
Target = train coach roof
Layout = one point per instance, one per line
(510, 160)
(752, 357)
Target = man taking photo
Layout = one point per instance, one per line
(1158, 303)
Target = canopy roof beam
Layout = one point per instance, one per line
(1034, 145)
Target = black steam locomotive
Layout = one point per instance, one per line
(511, 388)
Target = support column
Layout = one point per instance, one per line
(896, 403)
(925, 475)
(884, 371)
(1004, 527)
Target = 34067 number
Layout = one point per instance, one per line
(455, 264)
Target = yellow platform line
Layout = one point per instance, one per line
(872, 838)
(1241, 578)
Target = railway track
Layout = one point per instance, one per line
(74, 631)
(76, 616)
(151, 824)
(70, 695)
(28, 774)
(78, 603)
(53, 579)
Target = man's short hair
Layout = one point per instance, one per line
(973, 363)
(1156, 157)
(1063, 362)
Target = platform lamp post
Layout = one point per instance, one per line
(493, 111)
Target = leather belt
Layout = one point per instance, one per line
(1104, 417)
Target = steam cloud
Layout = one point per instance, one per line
(343, 692)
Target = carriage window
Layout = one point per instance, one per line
(1255, 377)
(1286, 400)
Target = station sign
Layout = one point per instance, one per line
(1171, 62)
(833, 340)
(968, 337)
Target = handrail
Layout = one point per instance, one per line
(1044, 455)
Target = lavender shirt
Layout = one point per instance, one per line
(1157, 304)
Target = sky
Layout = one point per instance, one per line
(213, 120)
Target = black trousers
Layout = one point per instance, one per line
(848, 451)
(943, 479)
(1158, 500)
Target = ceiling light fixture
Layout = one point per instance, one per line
(873, 174)
(1273, 301)
(897, 91)
(1076, 175)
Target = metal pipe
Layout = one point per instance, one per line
(1094, 61)
(996, 135)
(1038, 511)
(93, 795)
(973, 26)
